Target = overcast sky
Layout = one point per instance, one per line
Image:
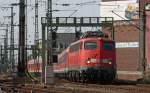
(77, 8)
(86, 8)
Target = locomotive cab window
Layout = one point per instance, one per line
(108, 46)
(90, 45)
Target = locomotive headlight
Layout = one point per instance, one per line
(88, 61)
(110, 62)
(91, 60)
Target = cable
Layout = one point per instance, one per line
(78, 4)
(72, 15)
(67, 4)
(27, 73)
(128, 22)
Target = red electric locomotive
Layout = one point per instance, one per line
(91, 58)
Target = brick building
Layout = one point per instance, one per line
(127, 45)
(126, 36)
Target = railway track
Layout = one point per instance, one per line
(106, 88)
(71, 87)
(92, 88)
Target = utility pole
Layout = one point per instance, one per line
(11, 54)
(21, 52)
(12, 60)
(49, 30)
(5, 47)
(47, 71)
(36, 22)
(36, 37)
(1, 51)
(43, 54)
(1, 61)
(12, 42)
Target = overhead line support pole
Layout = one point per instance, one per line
(5, 47)
(21, 54)
(6, 44)
(43, 54)
(12, 41)
(49, 31)
(36, 23)
(47, 47)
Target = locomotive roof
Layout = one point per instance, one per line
(87, 39)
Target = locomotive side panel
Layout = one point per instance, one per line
(74, 57)
(61, 67)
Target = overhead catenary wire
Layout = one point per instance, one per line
(127, 21)
(72, 15)
(77, 5)
(80, 4)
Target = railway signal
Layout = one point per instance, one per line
(54, 37)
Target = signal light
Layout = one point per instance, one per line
(54, 44)
(77, 34)
(55, 59)
(54, 35)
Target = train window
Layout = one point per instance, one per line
(108, 46)
(90, 45)
(75, 47)
(81, 45)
